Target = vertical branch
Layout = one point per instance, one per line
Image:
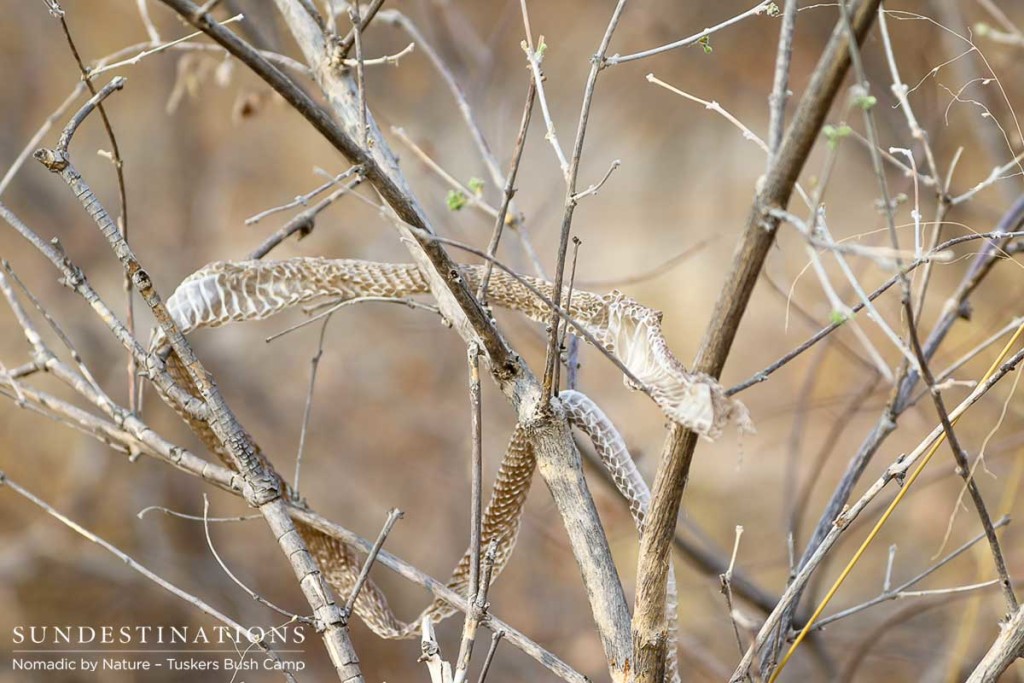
(348, 42)
(1003, 652)
(314, 366)
(963, 466)
(357, 40)
(476, 613)
(509, 191)
(495, 639)
(649, 627)
(570, 359)
(476, 472)
(597, 63)
(780, 88)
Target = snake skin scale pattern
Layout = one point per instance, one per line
(226, 292)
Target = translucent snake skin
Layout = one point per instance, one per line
(250, 290)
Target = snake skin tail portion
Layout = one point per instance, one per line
(610, 447)
(340, 565)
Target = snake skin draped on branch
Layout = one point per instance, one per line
(250, 290)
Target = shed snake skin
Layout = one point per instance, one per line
(225, 292)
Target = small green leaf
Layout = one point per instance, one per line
(456, 200)
(541, 49)
(835, 134)
(772, 10)
(838, 317)
(866, 102)
(477, 185)
(705, 43)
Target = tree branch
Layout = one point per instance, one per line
(649, 626)
(558, 460)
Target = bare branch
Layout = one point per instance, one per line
(204, 607)
(758, 235)
(263, 487)
(759, 8)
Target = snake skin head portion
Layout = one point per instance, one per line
(694, 400)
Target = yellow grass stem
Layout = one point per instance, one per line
(885, 517)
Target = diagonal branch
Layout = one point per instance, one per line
(261, 644)
(262, 485)
(1003, 652)
(963, 467)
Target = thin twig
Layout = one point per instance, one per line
(302, 222)
(995, 176)
(571, 172)
(476, 471)
(141, 514)
(231, 575)
(349, 41)
(759, 8)
(38, 136)
(476, 614)
(333, 308)
(657, 271)
(902, 591)
(495, 639)
(36, 342)
(390, 60)
(154, 35)
(825, 331)
(570, 350)
(132, 61)
(963, 467)
(596, 187)
(357, 42)
(780, 86)
(474, 199)
(508, 192)
(726, 581)
(534, 56)
(314, 365)
(196, 602)
(74, 278)
(118, 161)
(393, 516)
(302, 200)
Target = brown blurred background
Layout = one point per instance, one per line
(390, 418)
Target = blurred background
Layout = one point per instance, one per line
(206, 145)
